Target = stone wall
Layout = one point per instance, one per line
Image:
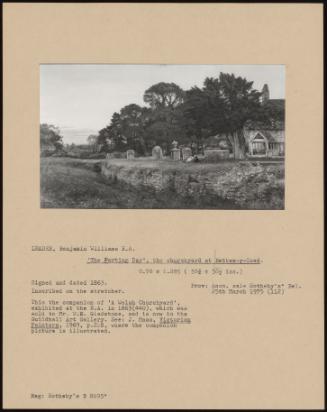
(249, 186)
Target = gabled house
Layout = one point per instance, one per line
(267, 139)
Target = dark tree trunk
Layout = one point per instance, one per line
(237, 141)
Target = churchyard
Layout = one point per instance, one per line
(148, 183)
(218, 146)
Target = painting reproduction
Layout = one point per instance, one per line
(125, 136)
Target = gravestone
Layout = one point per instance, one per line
(186, 153)
(130, 154)
(157, 153)
(175, 154)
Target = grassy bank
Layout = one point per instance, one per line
(230, 184)
(77, 183)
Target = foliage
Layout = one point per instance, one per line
(92, 141)
(163, 95)
(50, 138)
(222, 106)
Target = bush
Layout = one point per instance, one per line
(59, 153)
(97, 167)
(97, 156)
(46, 152)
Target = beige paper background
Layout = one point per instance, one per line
(239, 352)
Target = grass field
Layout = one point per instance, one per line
(76, 183)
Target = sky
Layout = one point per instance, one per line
(81, 98)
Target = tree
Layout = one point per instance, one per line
(126, 130)
(223, 105)
(50, 137)
(202, 111)
(274, 110)
(110, 137)
(240, 103)
(92, 141)
(163, 95)
(163, 124)
(132, 124)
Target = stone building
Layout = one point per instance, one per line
(267, 139)
(261, 141)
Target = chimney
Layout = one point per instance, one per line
(265, 94)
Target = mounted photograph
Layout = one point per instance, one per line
(162, 136)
